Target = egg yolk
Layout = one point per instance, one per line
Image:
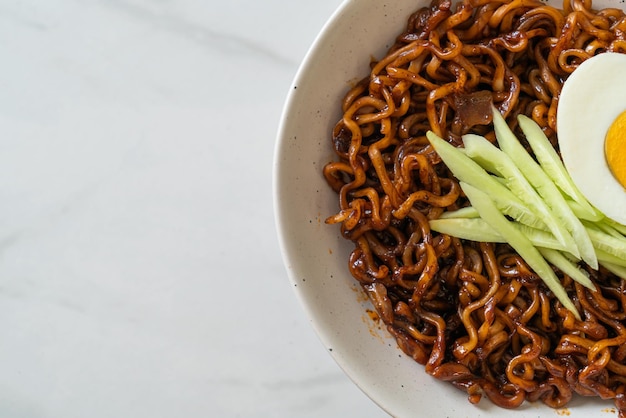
(615, 148)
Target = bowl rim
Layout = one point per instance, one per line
(284, 242)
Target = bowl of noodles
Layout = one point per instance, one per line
(428, 324)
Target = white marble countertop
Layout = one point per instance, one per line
(140, 274)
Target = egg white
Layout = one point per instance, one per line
(591, 98)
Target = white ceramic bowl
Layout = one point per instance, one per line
(316, 256)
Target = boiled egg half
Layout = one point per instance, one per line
(591, 130)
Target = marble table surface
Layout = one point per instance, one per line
(140, 274)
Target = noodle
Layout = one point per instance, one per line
(473, 313)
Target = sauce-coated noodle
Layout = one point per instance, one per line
(473, 313)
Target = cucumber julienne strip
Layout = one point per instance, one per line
(477, 229)
(473, 229)
(608, 243)
(566, 266)
(537, 177)
(552, 165)
(542, 238)
(604, 258)
(616, 226)
(607, 229)
(498, 162)
(581, 212)
(466, 212)
(467, 170)
(492, 215)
